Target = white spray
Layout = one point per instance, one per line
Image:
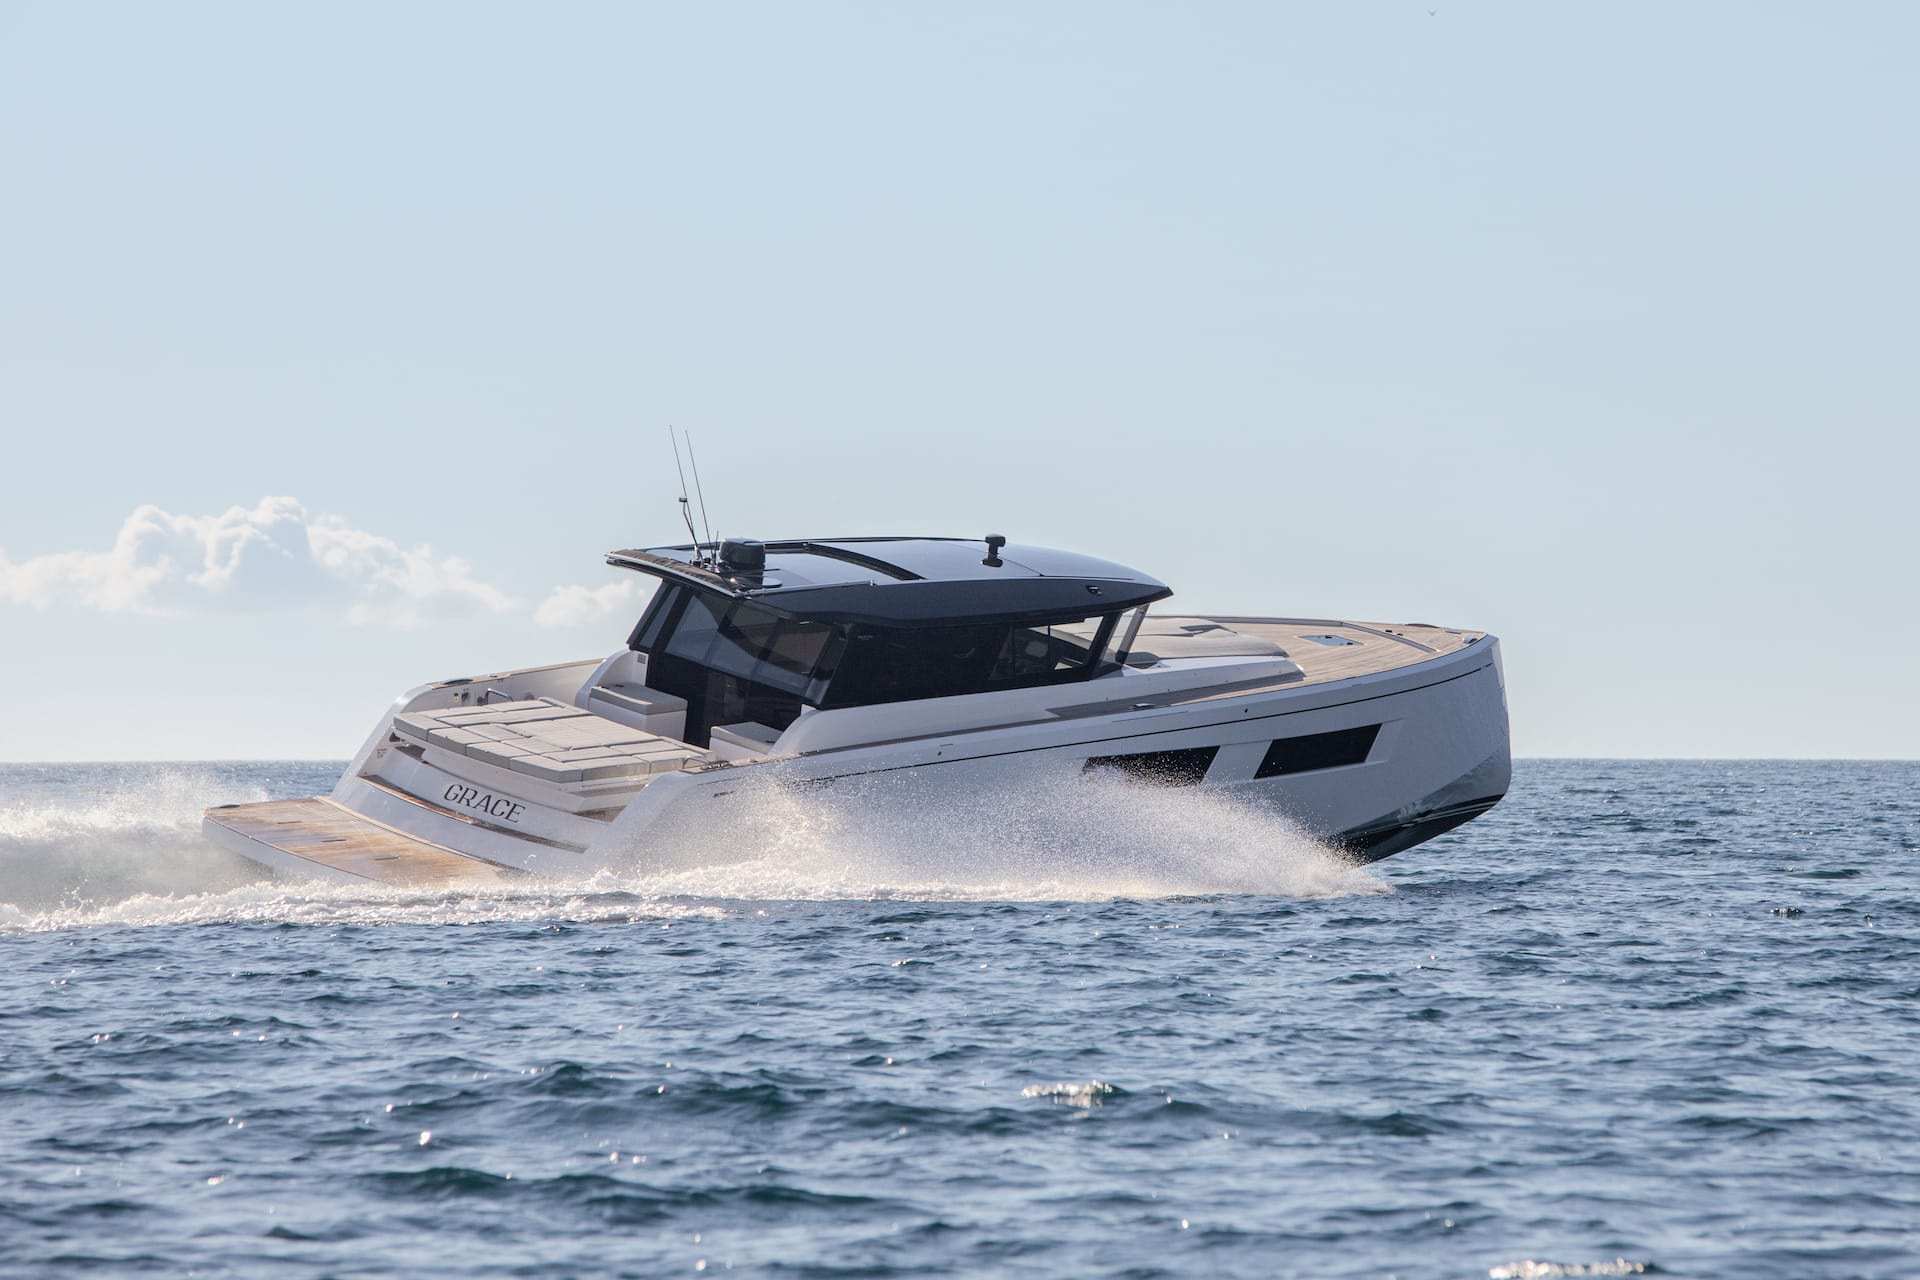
(131, 853)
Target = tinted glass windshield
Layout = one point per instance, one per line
(743, 640)
(882, 664)
(852, 665)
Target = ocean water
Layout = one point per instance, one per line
(1646, 1017)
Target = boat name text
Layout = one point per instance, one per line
(486, 802)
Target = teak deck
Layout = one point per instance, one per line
(323, 832)
(1374, 646)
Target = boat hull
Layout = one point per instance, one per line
(1435, 739)
(1373, 764)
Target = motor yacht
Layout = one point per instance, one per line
(810, 665)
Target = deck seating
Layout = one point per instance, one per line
(744, 741)
(550, 740)
(640, 707)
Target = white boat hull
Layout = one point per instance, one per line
(1441, 757)
(1373, 762)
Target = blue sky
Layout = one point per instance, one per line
(359, 328)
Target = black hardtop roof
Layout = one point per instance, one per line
(909, 582)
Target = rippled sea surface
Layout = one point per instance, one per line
(1643, 1016)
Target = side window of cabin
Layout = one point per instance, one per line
(883, 665)
(646, 633)
(742, 637)
(693, 636)
(733, 660)
(798, 648)
(1053, 653)
(1039, 655)
(880, 664)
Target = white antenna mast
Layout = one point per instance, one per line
(685, 514)
(695, 464)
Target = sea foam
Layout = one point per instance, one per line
(102, 845)
(1058, 836)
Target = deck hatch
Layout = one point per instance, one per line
(1182, 768)
(1318, 751)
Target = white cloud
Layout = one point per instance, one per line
(398, 586)
(583, 606)
(274, 556)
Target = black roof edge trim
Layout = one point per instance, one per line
(639, 559)
(842, 603)
(1037, 614)
(661, 567)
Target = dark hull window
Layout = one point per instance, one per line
(1318, 751)
(1183, 768)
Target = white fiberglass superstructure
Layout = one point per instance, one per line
(953, 663)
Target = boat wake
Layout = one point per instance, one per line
(78, 834)
(1058, 837)
(121, 845)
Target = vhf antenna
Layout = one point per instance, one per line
(684, 512)
(695, 464)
